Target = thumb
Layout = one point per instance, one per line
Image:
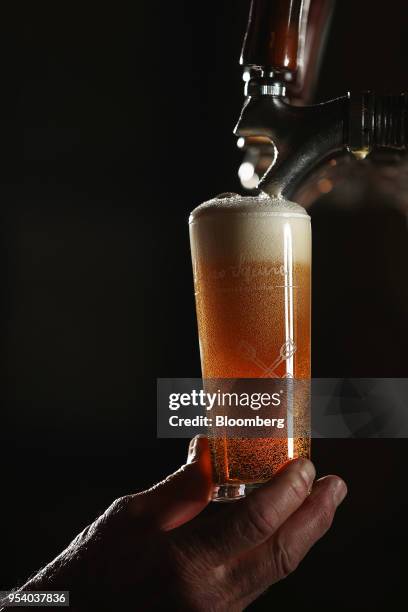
(182, 495)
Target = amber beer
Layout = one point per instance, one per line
(251, 263)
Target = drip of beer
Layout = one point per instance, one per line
(252, 268)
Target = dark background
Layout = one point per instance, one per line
(116, 122)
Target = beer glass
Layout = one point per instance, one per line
(251, 263)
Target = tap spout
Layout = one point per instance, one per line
(303, 137)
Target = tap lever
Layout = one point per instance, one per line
(283, 44)
(272, 38)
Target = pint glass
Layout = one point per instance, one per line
(251, 264)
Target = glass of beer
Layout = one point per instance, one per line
(252, 275)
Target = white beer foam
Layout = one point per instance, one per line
(251, 228)
(258, 205)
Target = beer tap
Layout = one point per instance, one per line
(280, 56)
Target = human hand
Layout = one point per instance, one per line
(159, 550)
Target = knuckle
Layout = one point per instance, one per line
(325, 516)
(299, 487)
(285, 560)
(261, 522)
(120, 505)
(117, 512)
(244, 580)
(195, 586)
(186, 556)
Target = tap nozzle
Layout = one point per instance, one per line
(303, 136)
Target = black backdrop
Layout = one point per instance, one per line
(116, 122)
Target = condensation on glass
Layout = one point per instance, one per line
(252, 275)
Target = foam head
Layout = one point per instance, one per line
(231, 227)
